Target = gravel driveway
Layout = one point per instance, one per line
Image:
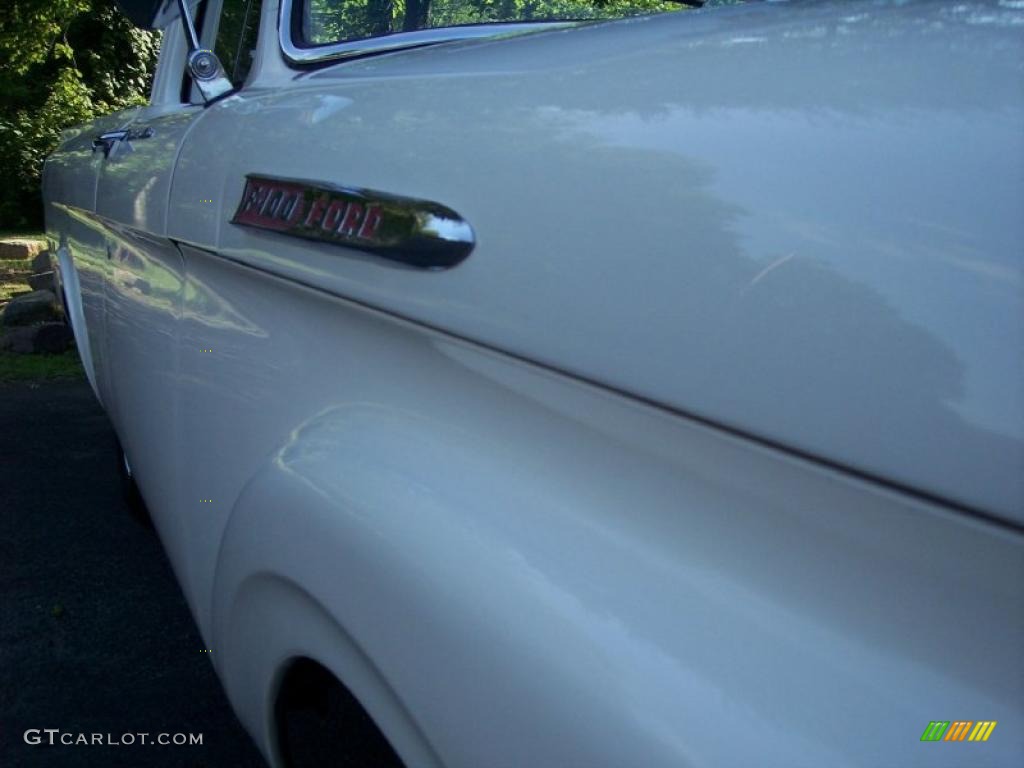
(95, 636)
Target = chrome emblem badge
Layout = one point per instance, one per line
(415, 232)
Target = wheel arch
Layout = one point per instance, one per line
(260, 645)
(290, 585)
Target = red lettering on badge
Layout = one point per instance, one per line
(316, 211)
(350, 224)
(333, 216)
(371, 222)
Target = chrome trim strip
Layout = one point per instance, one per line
(420, 233)
(296, 54)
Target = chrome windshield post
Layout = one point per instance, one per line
(203, 65)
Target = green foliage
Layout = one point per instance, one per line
(236, 37)
(62, 62)
(333, 20)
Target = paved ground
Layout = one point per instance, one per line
(95, 636)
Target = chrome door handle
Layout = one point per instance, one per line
(107, 141)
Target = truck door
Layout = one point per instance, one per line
(77, 241)
(144, 281)
(147, 282)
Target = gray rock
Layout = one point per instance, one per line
(48, 338)
(41, 263)
(30, 308)
(18, 248)
(41, 281)
(52, 338)
(19, 340)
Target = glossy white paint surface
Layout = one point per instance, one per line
(142, 348)
(803, 222)
(537, 572)
(772, 218)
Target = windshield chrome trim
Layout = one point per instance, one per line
(297, 54)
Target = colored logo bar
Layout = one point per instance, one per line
(958, 730)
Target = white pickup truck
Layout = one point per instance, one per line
(515, 385)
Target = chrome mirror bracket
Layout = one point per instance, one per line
(203, 65)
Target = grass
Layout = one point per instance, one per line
(9, 290)
(11, 268)
(64, 366)
(14, 280)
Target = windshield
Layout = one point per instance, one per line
(326, 22)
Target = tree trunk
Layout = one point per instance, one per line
(416, 12)
(379, 14)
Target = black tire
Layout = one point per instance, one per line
(130, 491)
(64, 308)
(320, 723)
